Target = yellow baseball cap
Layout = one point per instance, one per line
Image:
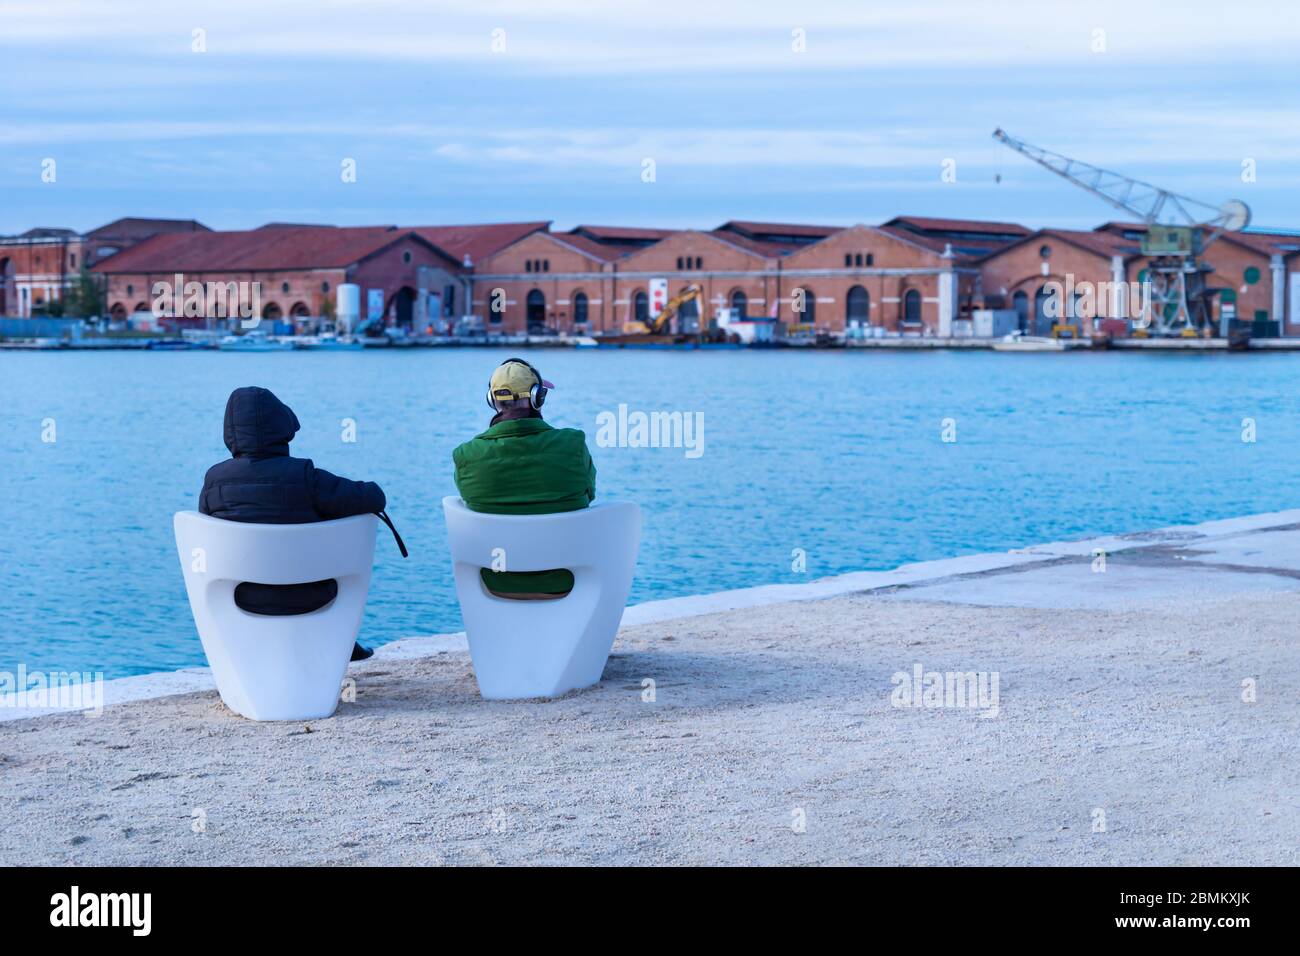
(514, 379)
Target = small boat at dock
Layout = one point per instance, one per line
(255, 341)
(328, 342)
(32, 344)
(1019, 342)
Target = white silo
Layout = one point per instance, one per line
(349, 307)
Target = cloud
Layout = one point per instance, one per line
(654, 37)
(583, 92)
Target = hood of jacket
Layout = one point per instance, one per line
(258, 425)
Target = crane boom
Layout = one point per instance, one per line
(1149, 203)
(1178, 298)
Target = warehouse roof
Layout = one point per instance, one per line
(140, 227)
(759, 247)
(477, 240)
(778, 231)
(46, 232)
(969, 238)
(774, 238)
(290, 247)
(605, 252)
(624, 235)
(927, 224)
(1104, 244)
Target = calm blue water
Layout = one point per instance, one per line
(837, 453)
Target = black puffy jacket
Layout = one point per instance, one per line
(262, 484)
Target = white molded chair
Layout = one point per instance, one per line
(276, 667)
(527, 649)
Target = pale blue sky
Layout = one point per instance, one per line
(556, 125)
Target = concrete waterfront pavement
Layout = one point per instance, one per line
(1147, 713)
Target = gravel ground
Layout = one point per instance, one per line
(771, 738)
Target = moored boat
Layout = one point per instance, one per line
(255, 341)
(1019, 342)
(328, 342)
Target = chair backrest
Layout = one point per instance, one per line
(274, 553)
(591, 542)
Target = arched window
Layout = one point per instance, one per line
(536, 305)
(912, 307)
(299, 310)
(1020, 302)
(580, 309)
(641, 306)
(857, 308)
(804, 306)
(739, 303)
(272, 311)
(403, 306)
(140, 307)
(1042, 320)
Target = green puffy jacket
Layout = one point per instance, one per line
(526, 467)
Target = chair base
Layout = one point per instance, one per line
(508, 669)
(534, 692)
(274, 714)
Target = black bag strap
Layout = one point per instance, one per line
(401, 545)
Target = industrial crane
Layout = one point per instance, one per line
(661, 322)
(1177, 297)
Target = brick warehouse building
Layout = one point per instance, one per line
(36, 269)
(298, 268)
(909, 274)
(1257, 273)
(39, 266)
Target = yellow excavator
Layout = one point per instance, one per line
(662, 322)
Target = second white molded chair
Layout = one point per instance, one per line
(272, 667)
(527, 649)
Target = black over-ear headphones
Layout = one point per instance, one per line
(536, 394)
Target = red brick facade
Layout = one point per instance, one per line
(313, 262)
(36, 270)
(38, 267)
(892, 282)
(911, 275)
(1242, 265)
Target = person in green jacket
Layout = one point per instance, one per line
(523, 466)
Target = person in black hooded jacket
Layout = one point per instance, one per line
(261, 483)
